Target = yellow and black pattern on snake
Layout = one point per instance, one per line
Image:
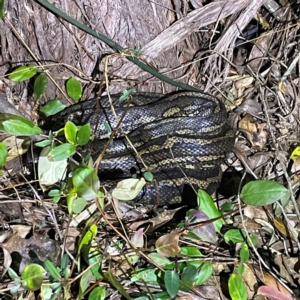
(182, 138)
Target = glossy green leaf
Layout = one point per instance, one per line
(189, 275)
(244, 253)
(148, 176)
(32, 277)
(51, 268)
(204, 273)
(88, 237)
(83, 134)
(52, 107)
(97, 293)
(3, 154)
(61, 152)
(2, 14)
(237, 288)
(74, 89)
(235, 236)
(191, 251)
(172, 283)
(78, 205)
(39, 86)
(23, 73)
(207, 206)
(17, 125)
(70, 132)
(263, 192)
(86, 182)
(116, 284)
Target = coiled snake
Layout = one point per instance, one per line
(182, 139)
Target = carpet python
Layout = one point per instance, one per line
(182, 139)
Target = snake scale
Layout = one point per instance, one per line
(182, 138)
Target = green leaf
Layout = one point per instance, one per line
(39, 86)
(204, 273)
(189, 275)
(86, 182)
(126, 94)
(97, 293)
(51, 268)
(61, 152)
(3, 154)
(52, 107)
(54, 193)
(172, 283)
(240, 269)
(95, 256)
(74, 89)
(244, 253)
(12, 274)
(207, 206)
(83, 134)
(191, 251)
(23, 73)
(32, 277)
(78, 205)
(148, 176)
(43, 143)
(70, 132)
(64, 262)
(159, 259)
(262, 192)
(147, 275)
(116, 284)
(2, 14)
(235, 236)
(16, 125)
(237, 288)
(88, 237)
(85, 282)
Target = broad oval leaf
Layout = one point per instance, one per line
(78, 205)
(207, 232)
(17, 125)
(61, 152)
(172, 283)
(235, 236)
(74, 89)
(86, 183)
(23, 73)
(189, 274)
(32, 277)
(70, 132)
(97, 293)
(39, 86)
(263, 192)
(237, 288)
(128, 189)
(167, 245)
(204, 274)
(83, 134)
(52, 107)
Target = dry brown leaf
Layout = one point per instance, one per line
(283, 229)
(250, 280)
(167, 245)
(254, 132)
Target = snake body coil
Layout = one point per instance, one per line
(182, 138)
